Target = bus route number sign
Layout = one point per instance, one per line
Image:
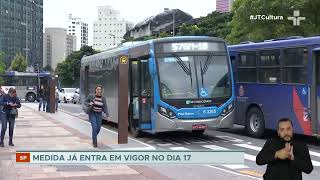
(123, 59)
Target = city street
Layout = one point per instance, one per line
(213, 139)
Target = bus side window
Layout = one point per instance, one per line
(247, 67)
(295, 65)
(233, 63)
(269, 66)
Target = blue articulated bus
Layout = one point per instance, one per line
(176, 83)
(278, 79)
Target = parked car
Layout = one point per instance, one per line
(66, 94)
(76, 96)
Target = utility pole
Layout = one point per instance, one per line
(173, 17)
(26, 48)
(173, 20)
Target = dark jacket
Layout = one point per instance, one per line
(41, 93)
(284, 169)
(6, 99)
(91, 97)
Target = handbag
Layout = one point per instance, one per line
(14, 112)
(87, 108)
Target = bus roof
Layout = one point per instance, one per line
(15, 73)
(277, 44)
(125, 47)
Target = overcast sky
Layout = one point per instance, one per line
(56, 11)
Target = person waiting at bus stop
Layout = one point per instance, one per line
(10, 103)
(96, 104)
(285, 157)
(42, 99)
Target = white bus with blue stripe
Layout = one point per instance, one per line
(176, 84)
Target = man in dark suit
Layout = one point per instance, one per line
(285, 157)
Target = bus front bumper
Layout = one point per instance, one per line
(164, 124)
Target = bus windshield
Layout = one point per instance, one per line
(194, 77)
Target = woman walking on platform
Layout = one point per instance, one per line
(94, 105)
(10, 103)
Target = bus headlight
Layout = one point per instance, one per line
(166, 112)
(228, 109)
(31, 88)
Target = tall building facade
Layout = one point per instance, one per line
(78, 28)
(57, 46)
(21, 30)
(109, 29)
(224, 5)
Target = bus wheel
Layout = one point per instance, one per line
(255, 123)
(198, 132)
(31, 97)
(134, 131)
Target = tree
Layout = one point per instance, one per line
(2, 67)
(69, 70)
(48, 68)
(19, 63)
(244, 29)
(215, 24)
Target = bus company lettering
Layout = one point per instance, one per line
(189, 46)
(185, 113)
(199, 101)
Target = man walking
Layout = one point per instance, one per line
(42, 99)
(285, 157)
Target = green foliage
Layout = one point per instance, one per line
(244, 29)
(69, 70)
(19, 63)
(48, 68)
(2, 67)
(215, 24)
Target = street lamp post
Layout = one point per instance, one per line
(114, 39)
(173, 20)
(26, 48)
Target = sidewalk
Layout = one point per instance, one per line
(42, 131)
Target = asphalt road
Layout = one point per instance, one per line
(234, 139)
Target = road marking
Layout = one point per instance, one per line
(214, 147)
(249, 157)
(138, 148)
(231, 172)
(217, 148)
(229, 138)
(251, 173)
(179, 149)
(186, 141)
(166, 144)
(314, 153)
(256, 148)
(236, 166)
(249, 146)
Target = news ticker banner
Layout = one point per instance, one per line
(130, 157)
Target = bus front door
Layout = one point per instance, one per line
(315, 99)
(140, 96)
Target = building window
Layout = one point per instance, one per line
(295, 66)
